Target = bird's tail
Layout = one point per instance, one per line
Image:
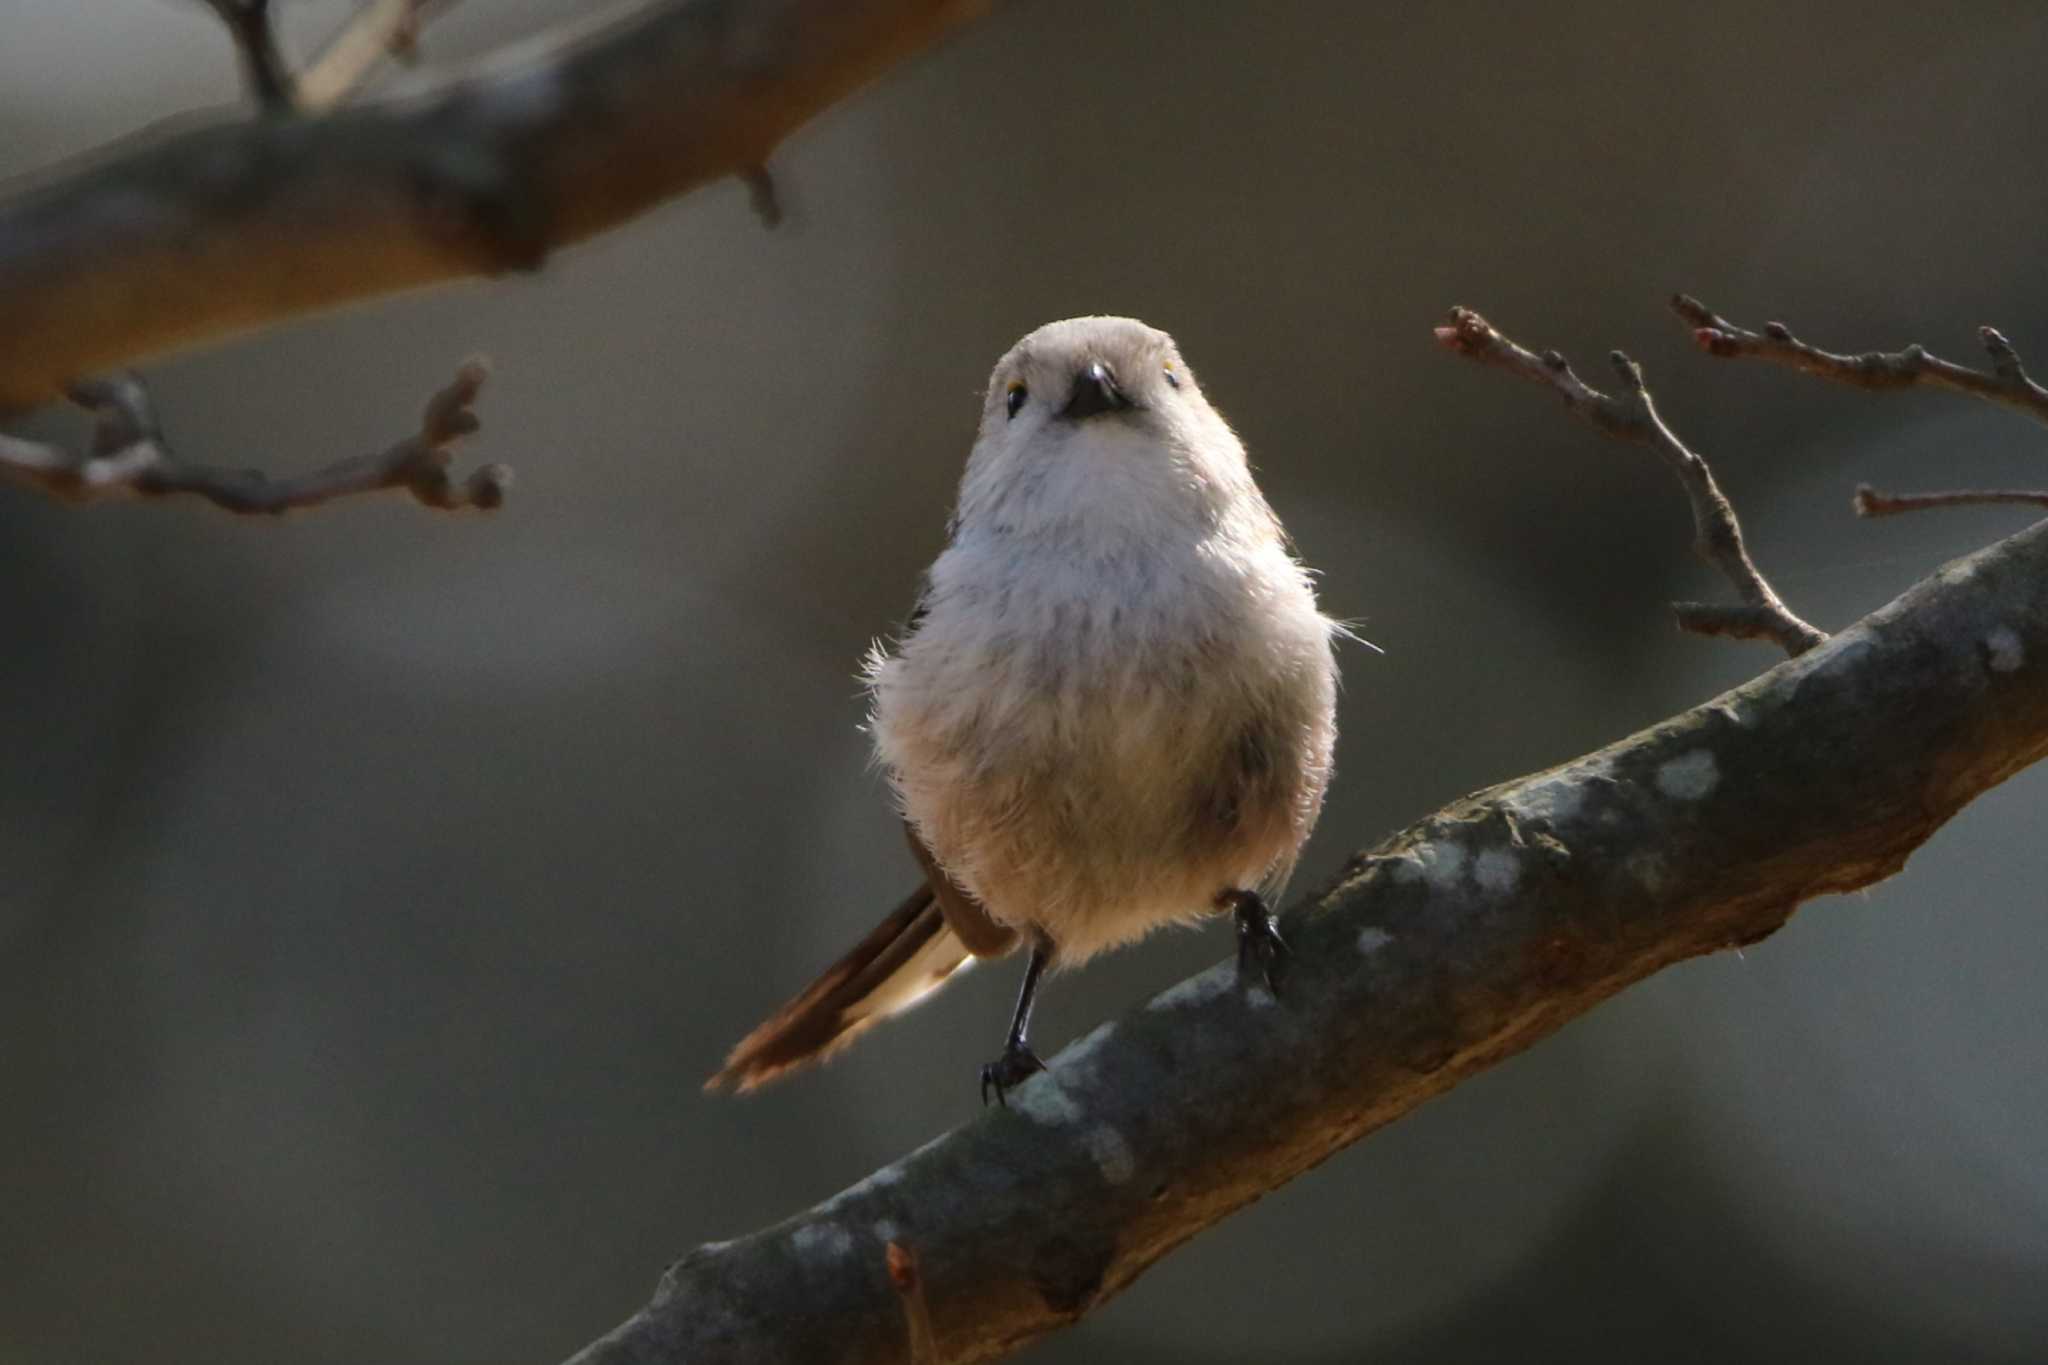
(908, 956)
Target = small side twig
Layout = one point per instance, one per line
(1871, 503)
(264, 68)
(917, 1313)
(2006, 383)
(1632, 416)
(380, 29)
(128, 457)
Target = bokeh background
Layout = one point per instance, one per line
(376, 887)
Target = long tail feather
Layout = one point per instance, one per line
(909, 955)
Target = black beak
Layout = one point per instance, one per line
(1095, 391)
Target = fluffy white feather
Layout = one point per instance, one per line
(1117, 701)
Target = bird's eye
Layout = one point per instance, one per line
(1018, 393)
(1172, 375)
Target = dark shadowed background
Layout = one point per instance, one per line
(376, 887)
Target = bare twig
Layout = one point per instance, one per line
(129, 458)
(1871, 503)
(2006, 384)
(908, 1282)
(1446, 950)
(211, 231)
(1717, 535)
(380, 29)
(264, 68)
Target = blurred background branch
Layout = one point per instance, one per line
(129, 457)
(239, 225)
(264, 68)
(1445, 950)
(382, 28)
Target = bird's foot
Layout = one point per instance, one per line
(1261, 953)
(1017, 1064)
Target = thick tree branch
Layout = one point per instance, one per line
(1717, 535)
(129, 458)
(1452, 946)
(2007, 384)
(227, 227)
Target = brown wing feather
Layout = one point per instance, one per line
(964, 915)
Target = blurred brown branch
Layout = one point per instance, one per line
(1445, 950)
(173, 241)
(128, 457)
(2007, 384)
(380, 29)
(1717, 534)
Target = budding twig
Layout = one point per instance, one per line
(2007, 384)
(128, 457)
(1631, 416)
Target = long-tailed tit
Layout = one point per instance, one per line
(1112, 709)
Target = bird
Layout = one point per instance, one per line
(1112, 708)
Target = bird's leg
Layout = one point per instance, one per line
(1259, 946)
(1018, 1061)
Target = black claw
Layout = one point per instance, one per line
(1017, 1064)
(1260, 948)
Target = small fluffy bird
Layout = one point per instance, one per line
(1113, 707)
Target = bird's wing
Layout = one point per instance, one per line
(964, 915)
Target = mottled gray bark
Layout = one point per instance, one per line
(188, 237)
(1453, 945)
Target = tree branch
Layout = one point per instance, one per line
(380, 29)
(1871, 503)
(1717, 535)
(129, 458)
(231, 226)
(1450, 947)
(2007, 384)
(264, 68)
